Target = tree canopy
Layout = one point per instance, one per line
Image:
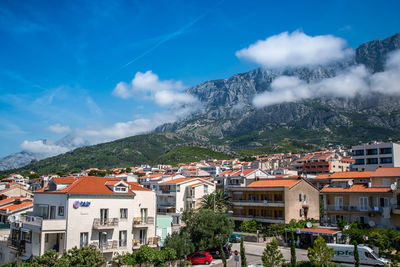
(320, 254)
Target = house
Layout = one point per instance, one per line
(322, 162)
(14, 206)
(14, 189)
(238, 178)
(113, 215)
(373, 155)
(275, 201)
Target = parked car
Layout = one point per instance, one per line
(202, 257)
(235, 238)
(216, 253)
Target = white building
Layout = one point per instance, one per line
(178, 195)
(114, 215)
(370, 157)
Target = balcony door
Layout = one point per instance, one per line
(143, 236)
(52, 212)
(338, 203)
(103, 216)
(143, 215)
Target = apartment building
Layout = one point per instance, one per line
(275, 201)
(372, 199)
(11, 208)
(322, 162)
(238, 178)
(114, 215)
(178, 195)
(371, 156)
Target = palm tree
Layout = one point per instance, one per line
(218, 201)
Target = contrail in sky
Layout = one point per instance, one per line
(166, 38)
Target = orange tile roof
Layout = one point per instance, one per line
(387, 172)
(95, 185)
(9, 199)
(320, 230)
(177, 181)
(275, 183)
(155, 175)
(64, 180)
(17, 206)
(196, 184)
(356, 188)
(346, 175)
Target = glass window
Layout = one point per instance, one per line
(27, 236)
(387, 160)
(41, 210)
(61, 211)
(363, 203)
(359, 162)
(373, 151)
(386, 150)
(123, 213)
(84, 239)
(359, 152)
(122, 238)
(372, 161)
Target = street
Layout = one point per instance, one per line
(254, 252)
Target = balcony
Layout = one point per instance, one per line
(264, 219)
(264, 203)
(139, 222)
(151, 242)
(39, 223)
(108, 246)
(396, 209)
(351, 208)
(105, 223)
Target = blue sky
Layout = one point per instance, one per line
(61, 60)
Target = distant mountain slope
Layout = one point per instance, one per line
(230, 122)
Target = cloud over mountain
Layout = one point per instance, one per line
(59, 129)
(296, 50)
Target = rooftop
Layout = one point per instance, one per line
(275, 183)
(356, 188)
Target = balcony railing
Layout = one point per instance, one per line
(351, 208)
(258, 201)
(44, 223)
(143, 222)
(257, 217)
(99, 223)
(105, 246)
(151, 241)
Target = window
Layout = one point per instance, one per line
(123, 213)
(338, 203)
(41, 210)
(386, 160)
(120, 189)
(122, 238)
(386, 182)
(386, 150)
(372, 161)
(363, 203)
(205, 189)
(84, 239)
(359, 152)
(359, 162)
(178, 188)
(60, 210)
(383, 202)
(373, 151)
(27, 236)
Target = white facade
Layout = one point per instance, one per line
(113, 222)
(369, 157)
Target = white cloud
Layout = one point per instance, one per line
(43, 148)
(163, 93)
(59, 129)
(295, 50)
(353, 81)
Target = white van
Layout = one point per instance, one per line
(345, 254)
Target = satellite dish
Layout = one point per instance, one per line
(350, 182)
(371, 223)
(393, 201)
(11, 218)
(309, 224)
(393, 186)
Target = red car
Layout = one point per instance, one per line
(202, 257)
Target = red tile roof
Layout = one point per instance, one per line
(387, 172)
(17, 206)
(196, 184)
(10, 199)
(275, 183)
(64, 180)
(95, 185)
(346, 175)
(320, 230)
(177, 181)
(356, 188)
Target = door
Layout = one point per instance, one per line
(143, 236)
(103, 239)
(103, 216)
(143, 215)
(52, 212)
(363, 203)
(338, 203)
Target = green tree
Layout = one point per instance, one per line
(292, 250)
(356, 256)
(218, 200)
(206, 228)
(223, 256)
(341, 223)
(243, 260)
(180, 242)
(320, 254)
(249, 226)
(51, 258)
(145, 254)
(272, 257)
(85, 256)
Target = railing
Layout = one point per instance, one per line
(151, 241)
(109, 245)
(351, 208)
(257, 217)
(99, 223)
(32, 220)
(137, 221)
(258, 201)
